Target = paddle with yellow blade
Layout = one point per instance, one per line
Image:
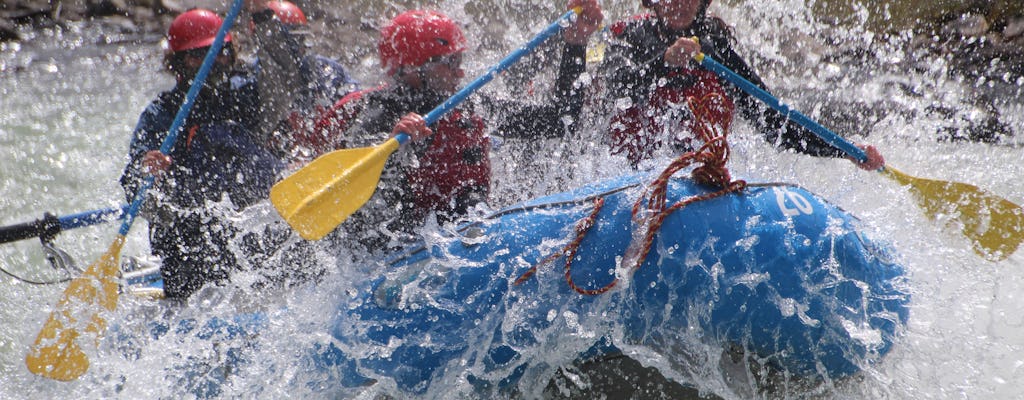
(56, 353)
(994, 225)
(320, 196)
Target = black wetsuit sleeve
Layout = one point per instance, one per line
(555, 119)
(776, 128)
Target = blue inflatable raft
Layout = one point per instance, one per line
(773, 271)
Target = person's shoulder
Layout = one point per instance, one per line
(718, 31)
(162, 106)
(244, 75)
(352, 103)
(329, 68)
(166, 97)
(155, 107)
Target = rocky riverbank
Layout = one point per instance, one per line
(988, 35)
(146, 21)
(129, 15)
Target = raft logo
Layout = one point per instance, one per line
(800, 205)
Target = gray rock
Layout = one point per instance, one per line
(967, 25)
(1014, 28)
(105, 8)
(8, 32)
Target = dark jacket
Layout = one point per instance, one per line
(213, 157)
(235, 102)
(634, 67)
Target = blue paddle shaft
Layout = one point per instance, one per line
(504, 64)
(90, 217)
(49, 226)
(833, 139)
(183, 111)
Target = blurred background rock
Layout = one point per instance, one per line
(987, 34)
(981, 42)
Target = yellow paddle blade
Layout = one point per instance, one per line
(56, 353)
(994, 225)
(317, 198)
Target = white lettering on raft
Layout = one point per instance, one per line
(800, 205)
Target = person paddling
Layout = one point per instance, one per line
(648, 74)
(445, 170)
(214, 159)
(293, 81)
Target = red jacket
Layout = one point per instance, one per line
(666, 116)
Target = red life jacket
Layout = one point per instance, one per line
(662, 117)
(666, 117)
(454, 163)
(327, 132)
(299, 133)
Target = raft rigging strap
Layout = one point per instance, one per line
(59, 259)
(649, 217)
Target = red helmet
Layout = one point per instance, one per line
(194, 29)
(414, 37)
(288, 12)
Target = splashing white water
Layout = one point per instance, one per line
(68, 104)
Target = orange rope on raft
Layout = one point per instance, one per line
(569, 251)
(649, 216)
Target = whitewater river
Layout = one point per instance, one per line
(69, 100)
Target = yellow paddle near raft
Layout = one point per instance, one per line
(56, 352)
(994, 225)
(320, 196)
